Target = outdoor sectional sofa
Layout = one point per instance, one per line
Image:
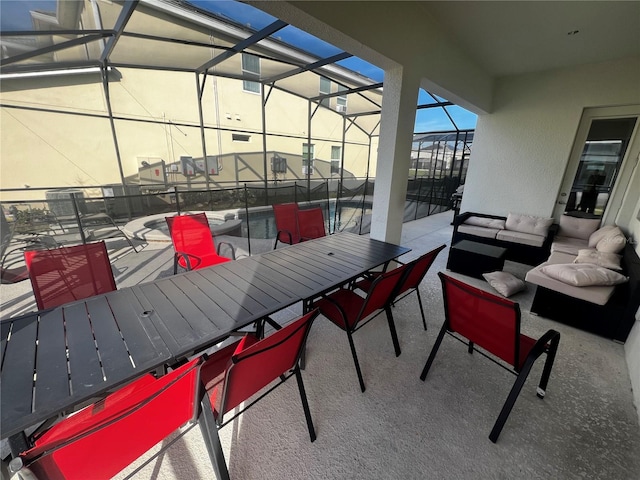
(606, 309)
(527, 238)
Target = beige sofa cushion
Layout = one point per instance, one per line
(478, 231)
(583, 274)
(613, 242)
(577, 227)
(599, 295)
(528, 224)
(495, 223)
(520, 237)
(569, 245)
(599, 235)
(602, 259)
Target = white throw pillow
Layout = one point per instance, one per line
(602, 259)
(504, 283)
(583, 274)
(613, 242)
(599, 235)
(485, 222)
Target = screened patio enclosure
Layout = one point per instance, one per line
(133, 98)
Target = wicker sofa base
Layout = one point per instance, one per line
(613, 320)
(516, 252)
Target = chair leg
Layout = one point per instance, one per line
(211, 438)
(511, 400)
(355, 360)
(175, 264)
(548, 365)
(392, 328)
(424, 320)
(434, 350)
(305, 404)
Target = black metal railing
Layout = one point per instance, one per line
(70, 216)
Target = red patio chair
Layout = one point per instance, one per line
(286, 216)
(311, 223)
(236, 373)
(193, 242)
(104, 438)
(350, 311)
(493, 323)
(420, 267)
(65, 274)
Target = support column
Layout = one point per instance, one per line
(394, 153)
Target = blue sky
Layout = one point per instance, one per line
(14, 14)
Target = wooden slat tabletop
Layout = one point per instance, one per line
(58, 359)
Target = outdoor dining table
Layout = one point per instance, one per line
(56, 360)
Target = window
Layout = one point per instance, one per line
(600, 163)
(325, 88)
(237, 137)
(341, 101)
(278, 164)
(336, 156)
(307, 159)
(251, 67)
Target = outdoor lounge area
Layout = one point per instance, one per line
(401, 427)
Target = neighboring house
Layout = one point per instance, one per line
(56, 129)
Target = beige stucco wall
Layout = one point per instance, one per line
(529, 136)
(157, 118)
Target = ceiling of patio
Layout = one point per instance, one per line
(461, 47)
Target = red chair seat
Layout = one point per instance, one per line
(492, 322)
(311, 223)
(349, 302)
(104, 438)
(193, 242)
(66, 274)
(286, 217)
(349, 311)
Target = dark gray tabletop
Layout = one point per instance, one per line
(114, 338)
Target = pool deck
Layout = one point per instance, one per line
(587, 426)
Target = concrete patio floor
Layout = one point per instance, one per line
(403, 428)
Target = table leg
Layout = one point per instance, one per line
(18, 443)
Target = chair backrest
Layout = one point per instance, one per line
(191, 234)
(311, 223)
(420, 267)
(104, 438)
(286, 216)
(489, 321)
(383, 289)
(260, 364)
(65, 274)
